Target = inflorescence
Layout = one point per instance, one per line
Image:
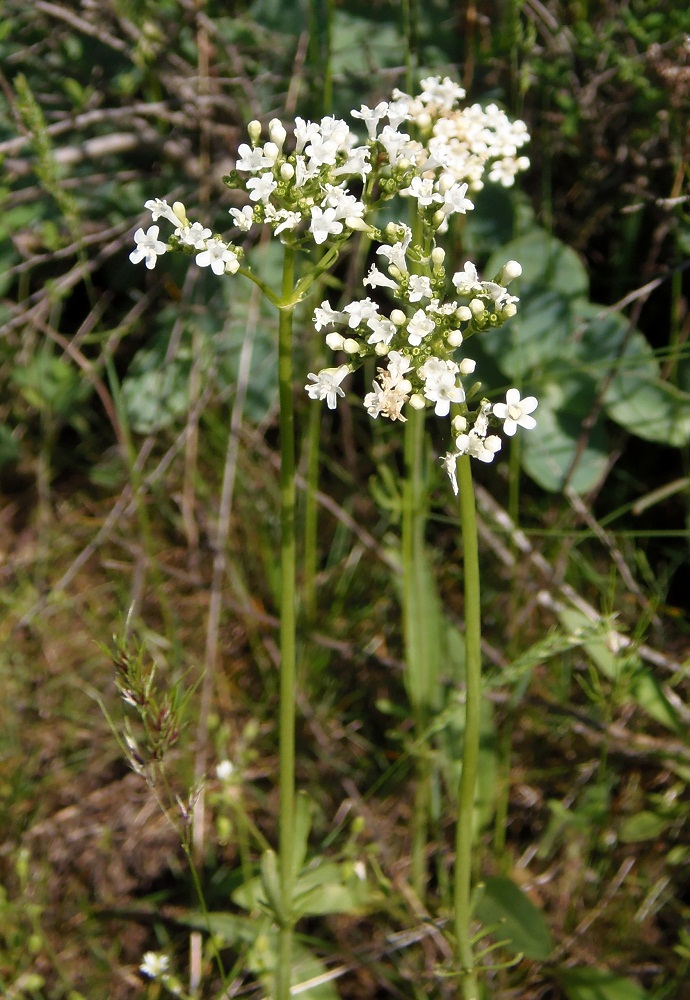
(326, 185)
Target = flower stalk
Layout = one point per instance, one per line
(470, 755)
(286, 735)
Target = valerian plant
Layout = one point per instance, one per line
(315, 190)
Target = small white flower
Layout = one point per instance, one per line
(467, 281)
(420, 326)
(194, 235)
(326, 315)
(218, 256)
(477, 447)
(158, 207)
(516, 412)
(450, 460)
(243, 217)
(252, 159)
(154, 965)
(324, 224)
(422, 188)
(225, 770)
(326, 385)
(361, 311)
(376, 278)
(419, 287)
(371, 117)
(148, 247)
(261, 188)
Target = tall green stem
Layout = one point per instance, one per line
(470, 754)
(287, 629)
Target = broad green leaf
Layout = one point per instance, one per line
(521, 924)
(597, 984)
(548, 451)
(546, 264)
(649, 408)
(541, 332)
(645, 825)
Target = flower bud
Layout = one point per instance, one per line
(350, 346)
(398, 317)
(509, 309)
(355, 222)
(287, 171)
(335, 340)
(512, 269)
(271, 151)
(445, 182)
(438, 218)
(454, 338)
(180, 212)
(254, 130)
(276, 132)
(438, 255)
(459, 424)
(477, 307)
(463, 314)
(467, 366)
(381, 350)
(417, 402)
(424, 120)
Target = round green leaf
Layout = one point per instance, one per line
(546, 264)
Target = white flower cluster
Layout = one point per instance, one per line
(419, 344)
(302, 192)
(211, 251)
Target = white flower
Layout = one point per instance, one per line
(398, 365)
(326, 315)
(261, 188)
(194, 235)
(225, 770)
(422, 188)
(159, 207)
(419, 327)
(361, 311)
(419, 288)
(383, 330)
(148, 247)
(326, 385)
(219, 257)
(454, 200)
(324, 224)
(243, 218)
(154, 964)
(515, 412)
(467, 281)
(376, 278)
(476, 447)
(252, 159)
(371, 117)
(450, 460)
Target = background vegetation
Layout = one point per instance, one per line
(138, 497)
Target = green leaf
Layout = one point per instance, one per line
(546, 264)
(327, 888)
(541, 332)
(548, 451)
(645, 825)
(649, 408)
(597, 984)
(522, 925)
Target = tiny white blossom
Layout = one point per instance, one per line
(154, 964)
(326, 315)
(420, 326)
(218, 256)
(261, 188)
(467, 281)
(371, 117)
(158, 207)
(477, 447)
(326, 385)
(194, 235)
(515, 412)
(243, 217)
(225, 770)
(419, 287)
(376, 278)
(252, 159)
(324, 224)
(148, 247)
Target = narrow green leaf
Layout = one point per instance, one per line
(597, 984)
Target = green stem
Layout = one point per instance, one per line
(311, 513)
(287, 629)
(470, 753)
(419, 675)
